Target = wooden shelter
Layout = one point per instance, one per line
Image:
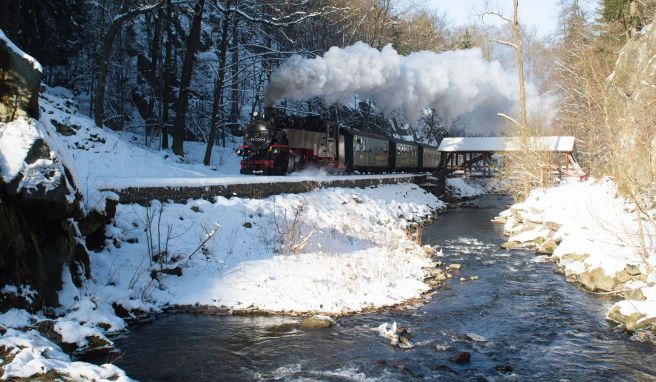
(469, 155)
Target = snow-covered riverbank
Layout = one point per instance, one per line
(333, 251)
(596, 239)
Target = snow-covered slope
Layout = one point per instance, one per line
(102, 155)
(598, 239)
(333, 250)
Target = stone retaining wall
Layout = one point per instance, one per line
(143, 195)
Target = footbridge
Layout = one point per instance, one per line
(474, 155)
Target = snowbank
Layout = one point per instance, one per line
(460, 188)
(593, 235)
(332, 251)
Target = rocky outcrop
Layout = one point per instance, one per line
(630, 105)
(20, 78)
(39, 201)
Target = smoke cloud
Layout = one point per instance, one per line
(460, 85)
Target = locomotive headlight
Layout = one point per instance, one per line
(275, 151)
(240, 152)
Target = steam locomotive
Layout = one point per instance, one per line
(277, 144)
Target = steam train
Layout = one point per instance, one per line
(278, 144)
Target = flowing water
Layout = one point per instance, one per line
(519, 321)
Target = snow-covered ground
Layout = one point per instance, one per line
(331, 251)
(460, 188)
(104, 159)
(597, 238)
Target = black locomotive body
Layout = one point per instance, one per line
(279, 144)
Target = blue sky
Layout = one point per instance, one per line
(543, 14)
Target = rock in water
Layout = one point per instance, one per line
(463, 357)
(404, 340)
(476, 337)
(316, 322)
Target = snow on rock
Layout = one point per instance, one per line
(35, 64)
(29, 353)
(594, 236)
(460, 188)
(332, 251)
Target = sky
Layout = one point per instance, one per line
(543, 14)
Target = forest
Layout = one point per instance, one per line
(197, 70)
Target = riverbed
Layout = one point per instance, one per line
(519, 320)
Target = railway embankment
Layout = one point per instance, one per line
(251, 187)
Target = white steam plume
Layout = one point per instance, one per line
(457, 84)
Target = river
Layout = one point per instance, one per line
(519, 321)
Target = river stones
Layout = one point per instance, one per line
(316, 322)
(504, 368)
(404, 340)
(475, 337)
(283, 328)
(632, 269)
(430, 251)
(455, 266)
(511, 245)
(634, 294)
(462, 357)
(548, 247)
(597, 280)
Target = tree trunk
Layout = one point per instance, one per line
(154, 57)
(103, 62)
(218, 89)
(179, 125)
(235, 109)
(166, 90)
(517, 34)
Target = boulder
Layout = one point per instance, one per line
(597, 280)
(634, 294)
(511, 245)
(20, 82)
(38, 196)
(632, 269)
(548, 247)
(463, 357)
(316, 322)
(632, 322)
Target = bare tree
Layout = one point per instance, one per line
(516, 44)
(179, 125)
(127, 13)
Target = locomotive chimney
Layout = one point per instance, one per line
(268, 111)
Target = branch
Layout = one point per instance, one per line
(509, 118)
(135, 12)
(496, 13)
(503, 42)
